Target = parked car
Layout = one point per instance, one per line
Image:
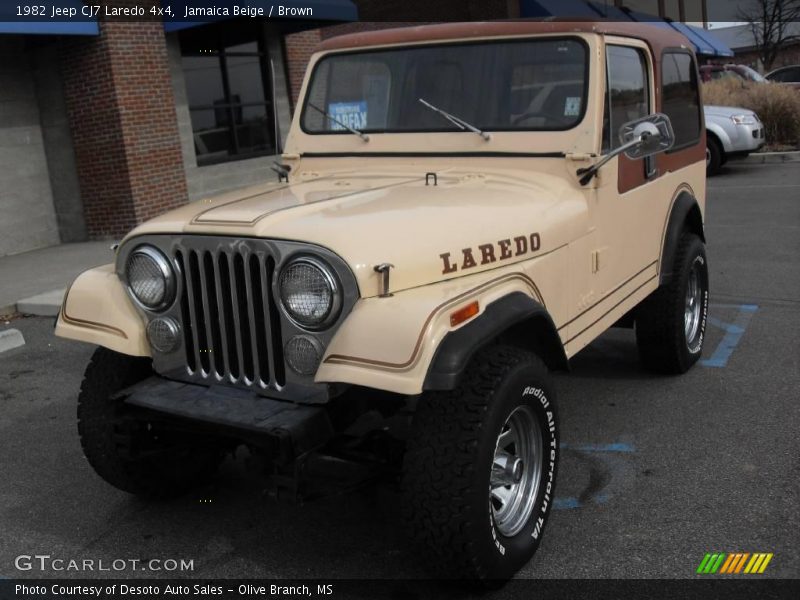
(741, 72)
(786, 75)
(731, 133)
(431, 248)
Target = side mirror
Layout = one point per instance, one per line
(647, 136)
(640, 138)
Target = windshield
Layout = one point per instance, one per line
(496, 86)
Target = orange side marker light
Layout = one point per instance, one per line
(464, 314)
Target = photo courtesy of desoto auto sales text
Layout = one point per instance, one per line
(488, 299)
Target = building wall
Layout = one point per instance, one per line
(58, 144)
(121, 109)
(299, 48)
(27, 215)
(788, 55)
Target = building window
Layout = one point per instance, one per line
(680, 98)
(647, 7)
(230, 99)
(628, 95)
(673, 10)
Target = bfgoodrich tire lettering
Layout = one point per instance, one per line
(671, 322)
(447, 472)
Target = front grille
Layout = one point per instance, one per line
(231, 325)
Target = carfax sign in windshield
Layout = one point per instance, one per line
(352, 114)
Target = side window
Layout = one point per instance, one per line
(628, 92)
(680, 98)
(780, 76)
(786, 75)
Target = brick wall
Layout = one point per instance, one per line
(299, 48)
(789, 55)
(122, 117)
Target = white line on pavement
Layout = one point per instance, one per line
(11, 338)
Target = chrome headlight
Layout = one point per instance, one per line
(151, 279)
(309, 293)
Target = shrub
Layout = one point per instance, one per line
(776, 105)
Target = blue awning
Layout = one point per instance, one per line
(720, 49)
(701, 46)
(50, 27)
(342, 11)
(80, 22)
(560, 8)
(610, 12)
(704, 42)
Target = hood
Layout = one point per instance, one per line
(727, 111)
(464, 224)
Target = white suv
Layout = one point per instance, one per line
(732, 133)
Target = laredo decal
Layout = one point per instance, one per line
(485, 253)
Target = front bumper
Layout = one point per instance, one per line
(747, 138)
(286, 429)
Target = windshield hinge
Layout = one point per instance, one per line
(579, 156)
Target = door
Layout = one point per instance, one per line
(626, 186)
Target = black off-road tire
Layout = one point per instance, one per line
(660, 319)
(446, 470)
(128, 453)
(715, 158)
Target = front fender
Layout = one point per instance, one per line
(97, 310)
(390, 343)
(722, 136)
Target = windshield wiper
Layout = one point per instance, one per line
(460, 123)
(360, 134)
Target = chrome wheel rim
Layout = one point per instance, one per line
(516, 471)
(691, 315)
(708, 157)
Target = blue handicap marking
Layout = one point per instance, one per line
(733, 334)
(616, 447)
(567, 503)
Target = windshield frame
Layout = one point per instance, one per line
(585, 100)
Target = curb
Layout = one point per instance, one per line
(10, 339)
(771, 158)
(42, 305)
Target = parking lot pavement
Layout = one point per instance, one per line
(656, 471)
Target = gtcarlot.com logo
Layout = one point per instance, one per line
(45, 562)
(734, 563)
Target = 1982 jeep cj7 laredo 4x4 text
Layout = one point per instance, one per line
(462, 208)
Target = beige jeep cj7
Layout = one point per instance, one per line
(461, 209)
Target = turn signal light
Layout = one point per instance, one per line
(464, 314)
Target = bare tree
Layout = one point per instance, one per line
(773, 23)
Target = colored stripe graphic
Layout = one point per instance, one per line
(703, 563)
(734, 563)
(718, 563)
(753, 563)
(741, 562)
(728, 563)
(711, 563)
(735, 558)
(765, 563)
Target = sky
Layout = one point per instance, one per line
(721, 24)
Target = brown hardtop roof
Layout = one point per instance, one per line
(657, 37)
